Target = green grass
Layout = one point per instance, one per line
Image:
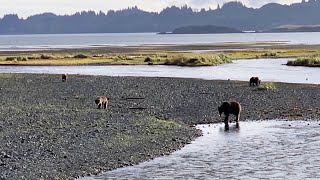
(197, 59)
(267, 86)
(80, 56)
(152, 57)
(169, 58)
(270, 54)
(158, 125)
(313, 61)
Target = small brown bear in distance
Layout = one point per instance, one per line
(64, 77)
(254, 81)
(102, 101)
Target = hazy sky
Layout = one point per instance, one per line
(25, 8)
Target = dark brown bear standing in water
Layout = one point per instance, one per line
(102, 101)
(64, 77)
(254, 81)
(230, 108)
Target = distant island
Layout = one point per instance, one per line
(213, 29)
(206, 29)
(295, 28)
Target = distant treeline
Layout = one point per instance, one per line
(232, 14)
(207, 29)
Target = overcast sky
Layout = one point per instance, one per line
(25, 8)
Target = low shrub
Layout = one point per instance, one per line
(305, 61)
(21, 59)
(10, 59)
(267, 86)
(124, 57)
(269, 54)
(80, 56)
(197, 60)
(16, 58)
(45, 56)
(147, 59)
(97, 55)
(31, 57)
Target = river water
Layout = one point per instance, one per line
(258, 150)
(52, 41)
(265, 69)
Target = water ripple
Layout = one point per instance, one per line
(258, 150)
(265, 69)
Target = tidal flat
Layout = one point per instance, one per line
(52, 130)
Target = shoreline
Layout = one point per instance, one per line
(55, 131)
(173, 47)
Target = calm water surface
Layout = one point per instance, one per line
(258, 150)
(48, 41)
(266, 69)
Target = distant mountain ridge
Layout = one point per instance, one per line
(131, 20)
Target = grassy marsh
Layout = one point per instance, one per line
(158, 55)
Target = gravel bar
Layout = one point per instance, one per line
(53, 130)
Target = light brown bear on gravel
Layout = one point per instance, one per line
(228, 108)
(102, 101)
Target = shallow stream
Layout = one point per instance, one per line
(258, 150)
(265, 69)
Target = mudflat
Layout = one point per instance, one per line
(53, 130)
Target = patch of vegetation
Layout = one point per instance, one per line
(80, 56)
(313, 61)
(124, 57)
(147, 59)
(45, 56)
(21, 59)
(31, 57)
(197, 59)
(123, 140)
(269, 54)
(16, 58)
(267, 86)
(158, 126)
(4, 75)
(10, 59)
(97, 55)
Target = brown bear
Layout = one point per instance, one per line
(102, 101)
(64, 77)
(254, 81)
(228, 108)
